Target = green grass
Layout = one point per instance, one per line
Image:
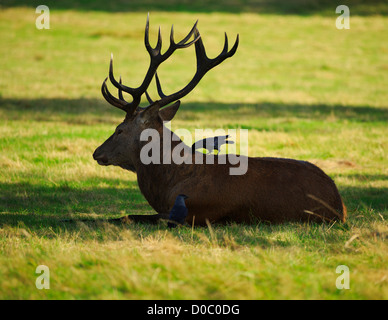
(304, 90)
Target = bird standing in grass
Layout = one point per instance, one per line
(178, 212)
(211, 144)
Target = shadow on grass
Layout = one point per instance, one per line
(37, 205)
(367, 177)
(297, 7)
(66, 201)
(90, 111)
(365, 197)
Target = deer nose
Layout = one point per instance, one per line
(100, 157)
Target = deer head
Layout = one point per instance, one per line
(123, 147)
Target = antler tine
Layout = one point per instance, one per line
(146, 34)
(200, 51)
(121, 104)
(120, 92)
(172, 35)
(150, 101)
(183, 43)
(225, 50)
(204, 64)
(159, 43)
(159, 87)
(156, 52)
(119, 85)
(202, 59)
(235, 46)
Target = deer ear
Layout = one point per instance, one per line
(168, 113)
(150, 113)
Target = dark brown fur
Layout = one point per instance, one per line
(273, 190)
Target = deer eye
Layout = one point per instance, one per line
(119, 131)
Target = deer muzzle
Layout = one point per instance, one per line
(101, 158)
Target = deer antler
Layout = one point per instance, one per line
(204, 64)
(156, 59)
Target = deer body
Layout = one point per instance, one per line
(272, 189)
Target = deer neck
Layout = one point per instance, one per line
(155, 180)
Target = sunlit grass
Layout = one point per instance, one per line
(304, 90)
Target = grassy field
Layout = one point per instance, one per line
(304, 90)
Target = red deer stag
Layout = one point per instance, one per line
(272, 189)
